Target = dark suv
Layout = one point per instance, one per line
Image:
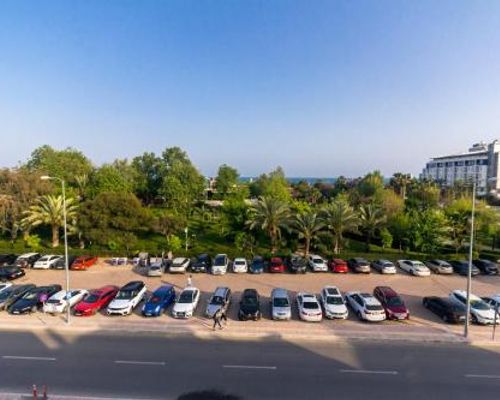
(461, 268)
(297, 264)
(201, 263)
(249, 305)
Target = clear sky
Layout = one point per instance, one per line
(322, 88)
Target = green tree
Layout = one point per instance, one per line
(399, 227)
(272, 185)
(400, 182)
(270, 215)
(307, 225)
(339, 217)
(371, 183)
(245, 243)
(116, 178)
(48, 210)
(372, 219)
(226, 181)
(149, 174)
(457, 215)
(168, 223)
(386, 237)
(427, 229)
(423, 195)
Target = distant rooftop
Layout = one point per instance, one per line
(477, 149)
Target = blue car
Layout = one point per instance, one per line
(159, 301)
(257, 265)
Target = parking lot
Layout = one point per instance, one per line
(411, 288)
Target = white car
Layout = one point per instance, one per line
(46, 262)
(413, 267)
(309, 307)
(127, 298)
(179, 265)
(480, 311)
(58, 302)
(220, 264)
(333, 303)
(365, 306)
(240, 265)
(317, 263)
(186, 304)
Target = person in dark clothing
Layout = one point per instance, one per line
(223, 316)
(217, 319)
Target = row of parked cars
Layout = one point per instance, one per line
(46, 261)
(221, 264)
(383, 303)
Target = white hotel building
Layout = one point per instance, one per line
(479, 163)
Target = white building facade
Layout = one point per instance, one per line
(479, 163)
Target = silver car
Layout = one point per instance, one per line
(439, 266)
(281, 308)
(155, 269)
(384, 266)
(220, 300)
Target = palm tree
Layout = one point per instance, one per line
(371, 219)
(307, 225)
(339, 217)
(270, 215)
(400, 182)
(48, 210)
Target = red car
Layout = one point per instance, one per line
(276, 265)
(96, 300)
(393, 304)
(339, 265)
(83, 262)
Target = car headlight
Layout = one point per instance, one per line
(157, 308)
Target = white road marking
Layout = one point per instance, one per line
(272, 367)
(482, 376)
(367, 371)
(29, 358)
(132, 362)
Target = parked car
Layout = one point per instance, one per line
(383, 266)
(220, 265)
(257, 265)
(338, 265)
(249, 305)
(220, 300)
(276, 265)
(7, 259)
(46, 262)
(309, 307)
(439, 266)
(493, 301)
(179, 265)
(462, 268)
(240, 265)
(317, 263)
(61, 263)
(297, 264)
(358, 264)
(333, 303)
(11, 272)
(202, 263)
(33, 299)
(414, 267)
(487, 267)
(127, 298)
(186, 304)
(4, 286)
(280, 305)
(95, 301)
(83, 262)
(58, 302)
(365, 306)
(12, 293)
(393, 304)
(449, 311)
(480, 311)
(27, 260)
(159, 301)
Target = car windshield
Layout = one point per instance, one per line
(250, 300)
(53, 301)
(280, 302)
(30, 295)
(186, 297)
(125, 294)
(334, 300)
(5, 294)
(239, 262)
(373, 308)
(395, 302)
(91, 298)
(479, 305)
(317, 261)
(155, 300)
(310, 305)
(219, 261)
(276, 263)
(43, 258)
(217, 300)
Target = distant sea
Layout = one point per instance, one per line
(309, 179)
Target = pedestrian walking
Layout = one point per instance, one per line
(217, 318)
(223, 316)
(190, 280)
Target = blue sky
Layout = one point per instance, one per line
(322, 88)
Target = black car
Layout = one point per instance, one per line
(297, 264)
(61, 263)
(462, 267)
(12, 293)
(446, 309)
(11, 272)
(7, 259)
(27, 260)
(249, 305)
(258, 265)
(202, 263)
(487, 267)
(33, 299)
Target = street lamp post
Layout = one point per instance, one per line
(186, 230)
(469, 270)
(46, 178)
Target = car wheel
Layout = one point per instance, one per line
(474, 319)
(425, 303)
(358, 313)
(445, 318)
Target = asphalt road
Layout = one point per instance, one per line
(164, 367)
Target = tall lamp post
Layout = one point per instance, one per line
(469, 270)
(55, 178)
